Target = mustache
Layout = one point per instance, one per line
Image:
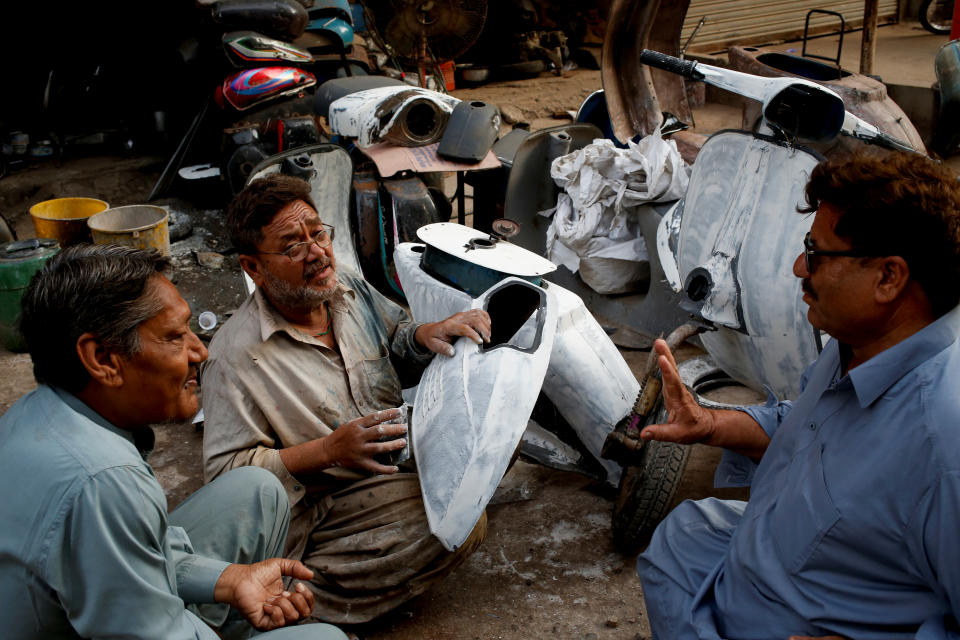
(314, 268)
(808, 288)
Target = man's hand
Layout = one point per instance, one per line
(439, 336)
(687, 422)
(256, 591)
(353, 444)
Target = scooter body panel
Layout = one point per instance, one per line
(730, 245)
(587, 379)
(404, 115)
(471, 409)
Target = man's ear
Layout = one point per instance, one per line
(252, 266)
(893, 279)
(102, 365)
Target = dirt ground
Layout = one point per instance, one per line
(548, 568)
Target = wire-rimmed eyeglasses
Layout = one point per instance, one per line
(299, 250)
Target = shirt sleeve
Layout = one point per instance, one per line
(737, 470)
(409, 359)
(932, 541)
(114, 567)
(237, 434)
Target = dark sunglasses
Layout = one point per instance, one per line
(809, 251)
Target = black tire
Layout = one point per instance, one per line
(647, 491)
(936, 16)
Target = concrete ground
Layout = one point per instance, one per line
(548, 568)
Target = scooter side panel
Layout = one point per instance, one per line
(740, 231)
(470, 413)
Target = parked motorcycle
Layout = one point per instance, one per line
(268, 54)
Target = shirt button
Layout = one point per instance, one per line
(813, 426)
(296, 487)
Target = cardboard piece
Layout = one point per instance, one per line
(391, 159)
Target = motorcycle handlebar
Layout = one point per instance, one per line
(680, 67)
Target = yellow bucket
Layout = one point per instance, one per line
(65, 219)
(142, 226)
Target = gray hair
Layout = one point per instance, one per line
(98, 289)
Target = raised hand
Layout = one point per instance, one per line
(687, 422)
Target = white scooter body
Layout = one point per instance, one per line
(730, 244)
(587, 379)
(471, 409)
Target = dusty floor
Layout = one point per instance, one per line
(548, 568)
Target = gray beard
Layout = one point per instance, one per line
(284, 294)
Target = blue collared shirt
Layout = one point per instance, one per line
(853, 524)
(85, 549)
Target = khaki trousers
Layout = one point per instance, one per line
(373, 550)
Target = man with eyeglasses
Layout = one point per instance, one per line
(303, 380)
(851, 528)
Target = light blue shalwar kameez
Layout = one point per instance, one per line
(88, 550)
(853, 524)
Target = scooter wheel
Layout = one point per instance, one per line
(647, 491)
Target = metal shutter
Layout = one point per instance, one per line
(758, 22)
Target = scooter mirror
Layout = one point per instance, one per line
(804, 111)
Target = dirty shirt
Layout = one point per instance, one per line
(851, 528)
(268, 385)
(85, 547)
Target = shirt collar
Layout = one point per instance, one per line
(872, 378)
(272, 321)
(143, 439)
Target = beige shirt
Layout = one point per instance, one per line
(267, 385)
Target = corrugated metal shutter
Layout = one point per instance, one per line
(758, 22)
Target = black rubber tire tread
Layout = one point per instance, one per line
(925, 21)
(647, 491)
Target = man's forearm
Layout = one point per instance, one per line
(738, 432)
(306, 457)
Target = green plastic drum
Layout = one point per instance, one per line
(18, 262)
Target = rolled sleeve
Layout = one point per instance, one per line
(737, 470)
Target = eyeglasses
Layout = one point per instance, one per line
(809, 251)
(298, 251)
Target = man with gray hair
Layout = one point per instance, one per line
(87, 548)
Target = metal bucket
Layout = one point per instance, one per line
(65, 219)
(18, 262)
(142, 226)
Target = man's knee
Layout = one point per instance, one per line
(262, 487)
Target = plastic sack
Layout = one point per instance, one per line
(594, 228)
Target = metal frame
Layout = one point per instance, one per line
(806, 30)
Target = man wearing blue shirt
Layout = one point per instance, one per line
(851, 528)
(87, 548)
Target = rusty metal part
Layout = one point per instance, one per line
(635, 93)
(623, 444)
(862, 95)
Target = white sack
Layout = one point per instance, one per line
(595, 214)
